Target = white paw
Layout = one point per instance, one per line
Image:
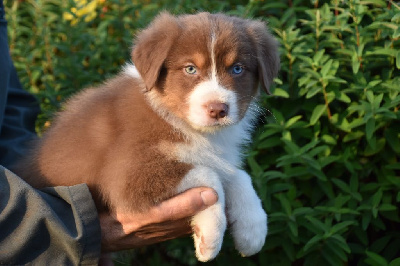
(249, 232)
(209, 227)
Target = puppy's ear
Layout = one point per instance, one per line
(267, 54)
(152, 46)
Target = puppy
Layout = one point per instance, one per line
(174, 120)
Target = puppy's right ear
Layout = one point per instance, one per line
(152, 46)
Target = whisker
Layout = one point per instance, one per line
(263, 112)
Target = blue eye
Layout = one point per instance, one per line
(237, 69)
(191, 70)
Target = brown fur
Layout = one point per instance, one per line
(95, 141)
(109, 137)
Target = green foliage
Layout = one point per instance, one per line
(326, 164)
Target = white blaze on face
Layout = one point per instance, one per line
(213, 63)
(211, 91)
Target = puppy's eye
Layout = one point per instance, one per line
(237, 69)
(191, 70)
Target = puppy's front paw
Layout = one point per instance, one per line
(249, 232)
(209, 227)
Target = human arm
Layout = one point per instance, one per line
(170, 219)
(60, 225)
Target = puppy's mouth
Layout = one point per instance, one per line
(212, 116)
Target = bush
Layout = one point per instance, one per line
(326, 164)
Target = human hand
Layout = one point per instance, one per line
(170, 219)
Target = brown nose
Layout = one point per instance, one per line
(217, 110)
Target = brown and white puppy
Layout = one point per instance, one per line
(174, 120)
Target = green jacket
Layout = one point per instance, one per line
(52, 226)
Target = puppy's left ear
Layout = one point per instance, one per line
(152, 46)
(267, 54)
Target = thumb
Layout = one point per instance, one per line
(187, 203)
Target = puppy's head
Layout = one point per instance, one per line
(206, 68)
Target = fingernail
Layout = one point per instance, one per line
(209, 197)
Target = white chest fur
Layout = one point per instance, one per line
(221, 151)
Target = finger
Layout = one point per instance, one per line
(186, 204)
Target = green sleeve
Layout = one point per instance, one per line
(52, 226)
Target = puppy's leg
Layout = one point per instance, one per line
(209, 225)
(245, 214)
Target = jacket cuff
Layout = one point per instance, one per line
(86, 210)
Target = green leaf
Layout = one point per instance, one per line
(342, 242)
(280, 93)
(387, 207)
(274, 5)
(289, 251)
(373, 84)
(269, 143)
(337, 249)
(329, 139)
(285, 203)
(370, 128)
(335, 79)
(370, 96)
(254, 166)
(355, 63)
(302, 211)
(287, 137)
(375, 259)
(312, 242)
(293, 228)
(380, 244)
(330, 256)
(395, 262)
(342, 185)
(318, 224)
(293, 120)
(292, 147)
(372, 148)
(342, 123)
(317, 57)
(274, 174)
(343, 97)
(354, 183)
(313, 91)
(353, 135)
(317, 113)
(384, 51)
(365, 221)
(377, 101)
(326, 67)
(318, 173)
(269, 132)
(379, 3)
(340, 226)
(377, 197)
